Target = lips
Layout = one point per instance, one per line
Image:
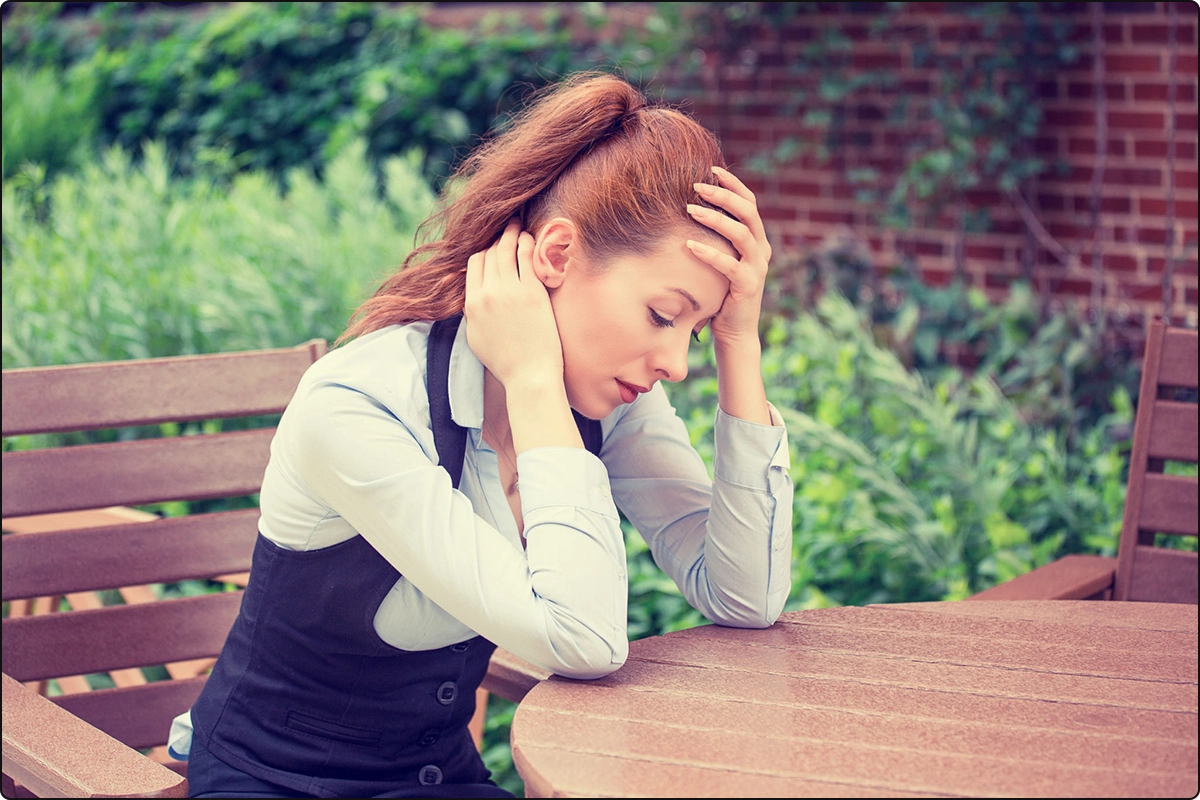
(630, 391)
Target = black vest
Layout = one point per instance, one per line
(305, 694)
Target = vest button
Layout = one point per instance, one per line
(429, 737)
(461, 647)
(429, 775)
(447, 692)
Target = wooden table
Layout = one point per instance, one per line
(1017, 698)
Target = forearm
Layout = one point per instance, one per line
(740, 389)
(540, 415)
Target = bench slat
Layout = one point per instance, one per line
(162, 551)
(147, 391)
(1169, 504)
(1178, 367)
(1164, 576)
(135, 473)
(104, 639)
(139, 716)
(1173, 433)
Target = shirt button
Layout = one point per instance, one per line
(447, 692)
(429, 775)
(429, 737)
(461, 647)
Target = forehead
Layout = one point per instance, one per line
(674, 273)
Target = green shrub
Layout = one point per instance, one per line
(121, 262)
(49, 118)
(275, 86)
(910, 491)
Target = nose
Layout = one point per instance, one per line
(670, 361)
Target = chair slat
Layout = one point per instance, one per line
(163, 551)
(135, 473)
(148, 391)
(83, 642)
(1173, 434)
(139, 716)
(1169, 504)
(1164, 576)
(1178, 359)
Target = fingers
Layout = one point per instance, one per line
(733, 196)
(736, 232)
(722, 262)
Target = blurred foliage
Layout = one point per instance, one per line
(273, 86)
(49, 118)
(120, 261)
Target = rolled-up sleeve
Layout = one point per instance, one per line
(726, 542)
(560, 605)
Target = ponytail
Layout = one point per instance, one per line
(590, 148)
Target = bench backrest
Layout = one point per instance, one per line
(132, 628)
(1157, 502)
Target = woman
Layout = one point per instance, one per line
(397, 547)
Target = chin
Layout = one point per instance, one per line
(596, 409)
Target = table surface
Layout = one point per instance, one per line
(1000, 698)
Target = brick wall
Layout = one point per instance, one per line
(806, 202)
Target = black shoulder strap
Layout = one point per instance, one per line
(449, 437)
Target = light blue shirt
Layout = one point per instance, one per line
(354, 455)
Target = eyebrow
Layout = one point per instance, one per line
(690, 299)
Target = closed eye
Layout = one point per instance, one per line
(661, 321)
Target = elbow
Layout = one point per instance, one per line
(587, 659)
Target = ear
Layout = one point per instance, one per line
(555, 251)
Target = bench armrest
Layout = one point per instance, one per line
(510, 677)
(1075, 577)
(53, 753)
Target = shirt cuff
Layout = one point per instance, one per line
(745, 452)
(564, 476)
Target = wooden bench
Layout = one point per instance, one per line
(84, 570)
(1155, 502)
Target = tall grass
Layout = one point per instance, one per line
(117, 261)
(49, 117)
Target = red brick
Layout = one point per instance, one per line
(1185, 122)
(1113, 34)
(1155, 207)
(742, 135)
(1144, 292)
(861, 60)
(1127, 62)
(1158, 34)
(1073, 286)
(1108, 205)
(1152, 236)
(1050, 202)
(1157, 92)
(799, 189)
(983, 197)
(1155, 266)
(833, 217)
(1121, 263)
(1086, 91)
(1152, 148)
(1116, 147)
(777, 213)
(1185, 179)
(985, 252)
(1058, 117)
(1133, 176)
(1137, 120)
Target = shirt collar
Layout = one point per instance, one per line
(465, 385)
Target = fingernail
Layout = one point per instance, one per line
(694, 209)
(703, 188)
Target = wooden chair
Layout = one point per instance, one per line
(74, 540)
(1155, 503)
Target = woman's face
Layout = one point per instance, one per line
(625, 327)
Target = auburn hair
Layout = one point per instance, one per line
(592, 149)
